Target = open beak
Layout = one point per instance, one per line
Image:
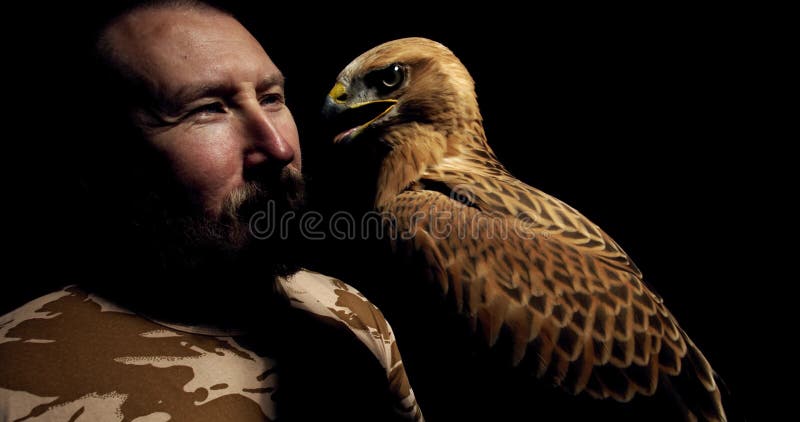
(350, 119)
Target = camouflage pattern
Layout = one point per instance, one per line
(73, 356)
(336, 301)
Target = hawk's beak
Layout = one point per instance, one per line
(351, 118)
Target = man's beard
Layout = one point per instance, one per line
(198, 245)
(157, 256)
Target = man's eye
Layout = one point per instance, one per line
(208, 108)
(271, 99)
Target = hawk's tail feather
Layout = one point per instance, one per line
(695, 387)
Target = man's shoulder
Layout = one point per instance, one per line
(53, 315)
(340, 304)
(71, 353)
(63, 307)
(31, 309)
(70, 350)
(344, 308)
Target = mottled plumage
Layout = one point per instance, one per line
(513, 259)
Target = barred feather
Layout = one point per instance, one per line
(516, 259)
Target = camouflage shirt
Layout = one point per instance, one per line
(73, 356)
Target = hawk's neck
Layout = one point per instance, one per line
(419, 151)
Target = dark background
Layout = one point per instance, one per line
(645, 120)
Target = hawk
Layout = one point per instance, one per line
(513, 259)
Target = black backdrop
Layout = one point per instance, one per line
(630, 116)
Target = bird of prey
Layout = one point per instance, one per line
(512, 258)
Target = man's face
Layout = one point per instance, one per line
(217, 113)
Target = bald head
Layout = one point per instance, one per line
(156, 44)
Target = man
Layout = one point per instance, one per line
(182, 314)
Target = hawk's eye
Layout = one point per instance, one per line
(392, 76)
(386, 79)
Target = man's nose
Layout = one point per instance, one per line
(266, 144)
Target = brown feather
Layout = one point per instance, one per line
(518, 260)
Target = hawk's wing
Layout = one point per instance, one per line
(493, 189)
(581, 321)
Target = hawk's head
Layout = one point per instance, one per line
(401, 83)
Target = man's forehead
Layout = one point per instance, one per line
(168, 31)
(188, 47)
